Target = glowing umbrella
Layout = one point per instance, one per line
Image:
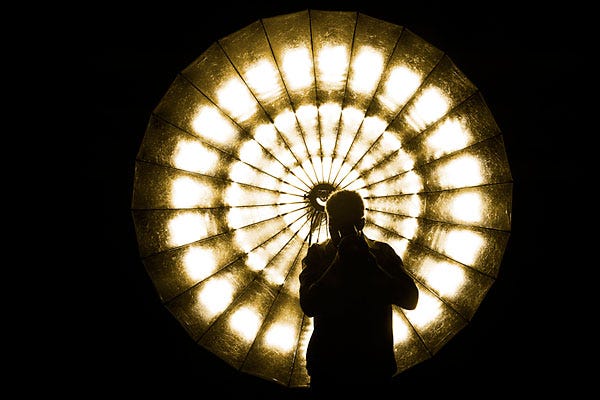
(249, 140)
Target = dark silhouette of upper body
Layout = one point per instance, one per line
(348, 284)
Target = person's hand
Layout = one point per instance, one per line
(353, 247)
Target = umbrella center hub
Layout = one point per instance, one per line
(319, 194)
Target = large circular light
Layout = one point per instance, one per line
(249, 140)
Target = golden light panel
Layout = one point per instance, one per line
(247, 143)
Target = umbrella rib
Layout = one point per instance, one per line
(281, 135)
(246, 133)
(289, 99)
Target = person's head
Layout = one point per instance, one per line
(344, 209)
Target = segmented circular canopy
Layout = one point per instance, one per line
(244, 148)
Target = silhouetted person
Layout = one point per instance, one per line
(348, 284)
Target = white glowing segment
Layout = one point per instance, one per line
(399, 246)
(399, 87)
(427, 311)
(327, 165)
(187, 228)
(400, 328)
(344, 170)
(266, 134)
(467, 207)
(245, 322)
(404, 161)
(287, 198)
(216, 296)
(194, 157)
(352, 176)
(187, 193)
(281, 336)
(307, 116)
(372, 128)
(450, 136)
(300, 228)
(390, 141)
(411, 182)
(237, 195)
(430, 106)
(318, 167)
(243, 173)
(199, 262)
(211, 124)
(310, 169)
(298, 174)
(298, 68)
(286, 121)
(358, 185)
(238, 217)
(461, 172)
(251, 152)
(256, 260)
(463, 245)
(332, 63)
(352, 118)
(263, 79)
(444, 277)
(407, 227)
(293, 216)
(274, 277)
(234, 97)
(329, 116)
(366, 70)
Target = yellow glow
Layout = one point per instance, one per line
(243, 173)
(297, 67)
(199, 262)
(216, 296)
(461, 172)
(274, 277)
(266, 134)
(251, 152)
(263, 78)
(211, 124)
(186, 193)
(399, 87)
(411, 183)
(407, 227)
(234, 97)
(307, 115)
(442, 276)
(366, 70)
(427, 311)
(245, 322)
(358, 185)
(187, 228)
(399, 246)
(193, 156)
(329, 114)
(400, 328)
(332, 62)
(281, 336)
(236, 195)
(390, 141)
(351, 120)
(463, 245)
(428, 108)
(450, 136)
(467, 207)
(238, 217)
(286, 122)
(373, 127)
(256, 260)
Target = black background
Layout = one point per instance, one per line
(524, 60)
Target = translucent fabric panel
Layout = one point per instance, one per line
(164, 144)
(484, 206)
(481, 249)
(272, 354)
(175, 271)
(393, 164)
(157, 187)
(409, 349)
(411, 62)
(460, 287)
(199, 306)
(406, 205)
(469, 123)
(444, 88)
(481, 164)
(231, 336)
(188, 109)
(279, 265)
(159, 230)
(434, 321)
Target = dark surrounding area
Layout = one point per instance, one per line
(521, 59)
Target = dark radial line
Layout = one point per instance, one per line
(337, 135)
(315, 85)
(281, 135)
(248, 134)
(298, 124)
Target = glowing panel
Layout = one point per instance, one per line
(187, 228)
(399, 87)
(400, 328)
(429, 107)
(366, 70)
(234, 97)
(443, 277)
(451, 135)
(463, 245)
(245, 322)
(461, 172)
(332, 64)
(263, 79)
(211, 124)
(216, 296)
(467, 207)
(187, 193)
(297, 67)
(193, 156)
(281, 336)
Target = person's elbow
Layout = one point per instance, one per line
(412, 300)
